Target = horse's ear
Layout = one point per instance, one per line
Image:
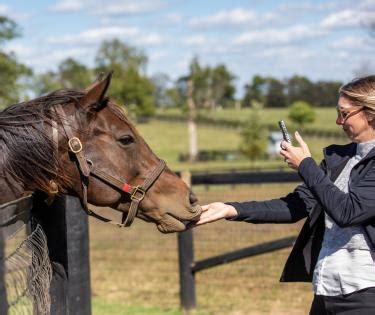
(95, 93)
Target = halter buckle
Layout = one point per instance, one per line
(134, 196)
(75, 145)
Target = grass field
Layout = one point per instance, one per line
(325, 117)
(171, 139)
(135, 271)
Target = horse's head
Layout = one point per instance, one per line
(115, 163)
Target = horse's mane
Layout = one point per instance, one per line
(28, 151)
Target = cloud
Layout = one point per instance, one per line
(4, 9)
(307, 7)
(149, 39)
(341, 18)
(97, 35)
(21, 50)
(129, 7)
(278, 36)
(172, 18)
(237, 16)
(94, 36)
(348, 18)
(156, 56)
(66, 6)
(14, 15)
(108, 8)
(349, 43)
(42, 58)
(196, 40)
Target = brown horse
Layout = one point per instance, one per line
(81, 143)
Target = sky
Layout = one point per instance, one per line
(323, 40)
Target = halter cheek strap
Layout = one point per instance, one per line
(86, 168)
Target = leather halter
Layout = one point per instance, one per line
(87, 168)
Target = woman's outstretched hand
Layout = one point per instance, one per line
(213, 212)
(293, 156)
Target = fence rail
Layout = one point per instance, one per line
(189, 267)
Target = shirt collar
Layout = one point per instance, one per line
(364, 148)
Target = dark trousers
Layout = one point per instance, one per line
(357, 303)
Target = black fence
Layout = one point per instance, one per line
(65, 225)
(188, 266)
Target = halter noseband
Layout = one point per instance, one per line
(86, 168)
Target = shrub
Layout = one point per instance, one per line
(301, 113)
(253, 143)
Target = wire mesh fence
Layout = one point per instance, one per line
(28, 273)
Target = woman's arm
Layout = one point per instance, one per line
(347, 209)
(289, 209)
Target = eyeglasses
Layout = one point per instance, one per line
(343, 116)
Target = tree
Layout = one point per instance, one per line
(213, 86)
(161, 82)
(8, 29)
(222, 87)
(70, 75)
(267, 91)
(130, 85)
(254, 91)
(325, 93)
(74, 75)
(275, 96)
(202, 91)
(299, 88)
(11, 71)
(301, 113)
(253, 143)
(46, 82)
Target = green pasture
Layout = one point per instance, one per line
(169, 139)
(325, 117)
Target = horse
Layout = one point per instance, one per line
(81, 143)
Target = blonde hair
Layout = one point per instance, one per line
(361, 92)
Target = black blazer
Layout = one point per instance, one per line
(316, 195)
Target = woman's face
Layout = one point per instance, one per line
(354, 121)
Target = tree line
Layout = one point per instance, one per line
(212, 86)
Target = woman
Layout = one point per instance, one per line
(336, 246)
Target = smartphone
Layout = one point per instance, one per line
(284, 131)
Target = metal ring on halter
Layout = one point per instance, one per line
(90, 163)
(71, 145)
(134, 196)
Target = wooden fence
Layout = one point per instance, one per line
(188, 266)
(66, 227)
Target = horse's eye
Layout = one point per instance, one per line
(126, 140)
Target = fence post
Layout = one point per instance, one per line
(3, 295)
(66, 227)
(186, 260)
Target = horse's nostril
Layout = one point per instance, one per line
(192, 198)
